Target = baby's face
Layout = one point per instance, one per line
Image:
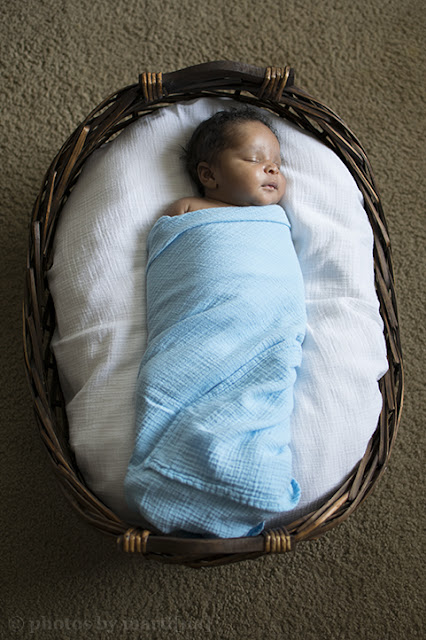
(248, 172)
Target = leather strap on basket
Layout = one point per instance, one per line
(277, 541)
(275, 81)
(152, 86)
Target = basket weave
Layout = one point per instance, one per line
(270, 88)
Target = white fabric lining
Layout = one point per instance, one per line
(97, 282)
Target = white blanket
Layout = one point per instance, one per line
(97, 282)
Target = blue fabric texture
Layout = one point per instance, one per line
(226, 320)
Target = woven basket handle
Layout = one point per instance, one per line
(268, 83)
(198, 550)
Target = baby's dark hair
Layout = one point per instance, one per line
(215, 135)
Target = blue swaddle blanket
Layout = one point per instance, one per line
(226, 320)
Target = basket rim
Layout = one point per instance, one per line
(271, 88)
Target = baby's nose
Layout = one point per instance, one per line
(272, 168)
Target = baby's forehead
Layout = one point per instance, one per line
(252, 131)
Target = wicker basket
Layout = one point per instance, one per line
(270, 88)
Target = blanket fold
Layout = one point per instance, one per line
(226, 320)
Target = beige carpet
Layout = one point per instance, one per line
(62, 579)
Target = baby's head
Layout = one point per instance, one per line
(234, 157)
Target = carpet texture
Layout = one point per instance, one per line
(61, 578)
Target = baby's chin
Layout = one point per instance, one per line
(259, 202)
(268, 197)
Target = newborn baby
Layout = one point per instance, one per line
(226, 321)
(234, 158)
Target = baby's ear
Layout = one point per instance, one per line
(206, 175)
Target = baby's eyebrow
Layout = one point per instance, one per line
(260, 151)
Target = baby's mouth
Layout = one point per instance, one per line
(270, 185)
